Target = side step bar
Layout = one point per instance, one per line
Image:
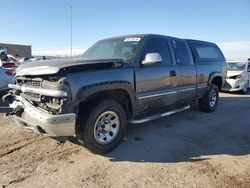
(150, 118)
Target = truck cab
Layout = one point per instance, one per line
(182, 73)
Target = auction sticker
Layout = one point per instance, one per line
(132, 39)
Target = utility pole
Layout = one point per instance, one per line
(71, 30)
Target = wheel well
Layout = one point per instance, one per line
(217, 81)
(118, 95)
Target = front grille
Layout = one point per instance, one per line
(34, 95)
(227, 86)
(29, 82)
(31, 96)
(33, 83)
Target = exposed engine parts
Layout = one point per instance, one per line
(51, 101)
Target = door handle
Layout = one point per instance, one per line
(172, 73)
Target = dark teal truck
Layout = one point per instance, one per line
(127, 79)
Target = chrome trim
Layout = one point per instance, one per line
(150, 118)
(41, 91)
(157, 95)
(200, 86)
(188, 89)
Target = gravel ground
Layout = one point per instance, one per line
(189, 149)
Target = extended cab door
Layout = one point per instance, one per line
(185, 70)
(155, 83)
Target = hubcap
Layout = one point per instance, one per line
(106, 127)
(213, 98)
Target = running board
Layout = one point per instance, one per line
(150, 118)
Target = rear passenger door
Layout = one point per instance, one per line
(155, 86)
(185, 70)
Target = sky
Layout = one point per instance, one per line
(45, 24)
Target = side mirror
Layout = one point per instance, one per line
(152, 58)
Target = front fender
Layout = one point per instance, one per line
(85, 91)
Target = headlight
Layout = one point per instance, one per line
(240, 76)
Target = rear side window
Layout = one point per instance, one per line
(206, 52)
(181, 53)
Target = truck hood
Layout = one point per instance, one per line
(234, 73)
(47, 67)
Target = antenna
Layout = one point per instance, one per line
(71, 31)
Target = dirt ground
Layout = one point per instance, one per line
(189, 149)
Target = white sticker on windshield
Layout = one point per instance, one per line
(132, 39)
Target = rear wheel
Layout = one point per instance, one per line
(210, 101)
(104, 127)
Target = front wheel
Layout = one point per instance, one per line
(244, 89)
(104, 127)
(210, 101)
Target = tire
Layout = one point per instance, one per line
(104, 127)
(210, 101)
(244, 90)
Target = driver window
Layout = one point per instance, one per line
(158, 45)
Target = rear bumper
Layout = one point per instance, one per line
(40, 121)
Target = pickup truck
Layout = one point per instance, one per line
(127, 79)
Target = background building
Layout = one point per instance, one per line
(17, 50)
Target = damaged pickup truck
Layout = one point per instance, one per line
(128, 79)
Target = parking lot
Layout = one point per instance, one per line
(189, 149)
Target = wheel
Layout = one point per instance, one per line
(104, 127)
(244, 89)
(210, 101)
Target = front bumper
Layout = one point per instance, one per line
(234, 84)
(40, 121)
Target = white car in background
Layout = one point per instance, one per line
(238, 76)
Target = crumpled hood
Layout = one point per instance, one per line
(47, 67)
(234, 73)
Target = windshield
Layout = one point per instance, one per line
(236, 66)
(118, 48)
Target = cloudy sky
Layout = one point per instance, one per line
(45, 24)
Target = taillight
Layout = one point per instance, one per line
(9, 65)
(10, 72)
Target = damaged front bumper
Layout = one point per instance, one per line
(28, 116)
(235, 84)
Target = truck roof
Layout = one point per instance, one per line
(144, 35)
(200, 41)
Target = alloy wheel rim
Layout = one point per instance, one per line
(106, 127)
(213, 98)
